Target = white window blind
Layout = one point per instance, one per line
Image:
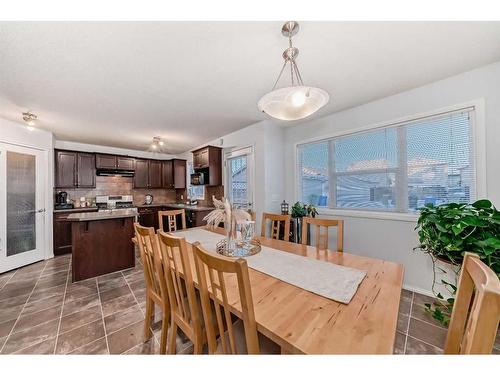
(396, 168)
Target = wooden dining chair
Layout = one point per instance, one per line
(181, 291)
(155, 288)
(213, 272)
(171, 220)
(476, 311)
(321, 232)
(276, 226)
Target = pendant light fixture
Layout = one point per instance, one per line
(297, 101)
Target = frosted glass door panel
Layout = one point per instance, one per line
(21, 203)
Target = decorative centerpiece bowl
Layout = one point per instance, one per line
(232, 246)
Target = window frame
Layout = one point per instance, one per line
(478, 149)
(189, 186)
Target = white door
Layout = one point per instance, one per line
(240, 177)
(22, 210)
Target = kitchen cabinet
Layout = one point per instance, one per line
(65, 168)
(74, 169)
(154, 174)
(174, 174)
(125, 163)
(62, 230)
(148, 216)
(194, 218)
(85, 173)
(148, 174)
(106, 161)
(210, 158)
(179, 173)
(141, 176)
(201, 158)
(167, 174)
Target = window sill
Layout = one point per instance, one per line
(394, 216)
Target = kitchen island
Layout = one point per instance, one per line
(101, 242)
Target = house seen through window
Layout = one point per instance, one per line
(395, 168)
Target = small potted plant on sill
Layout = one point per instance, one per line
(300, 210)
(446, 232)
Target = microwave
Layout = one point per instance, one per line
(199, 178)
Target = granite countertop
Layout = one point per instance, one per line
(75, 209)
(177, 205)
(103, 215)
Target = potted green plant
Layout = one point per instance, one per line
(300, 210)
(447, 231)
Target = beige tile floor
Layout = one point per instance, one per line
(42, 312)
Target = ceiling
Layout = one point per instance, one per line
(121, 83)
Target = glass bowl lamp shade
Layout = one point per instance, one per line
(293, 103)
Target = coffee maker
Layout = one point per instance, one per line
(61, 201)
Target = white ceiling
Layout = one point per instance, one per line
(121, 83)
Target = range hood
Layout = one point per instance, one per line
(115, 172)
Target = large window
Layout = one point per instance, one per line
(396, 168)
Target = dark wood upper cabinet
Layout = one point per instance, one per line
(167, 174)
(209, 157)
(85, 170)
(141, 176)
(201, 158)
(125, 163)
(65, 168)
(104, 161)
(155, 174)
(179, 173)
(74, 169)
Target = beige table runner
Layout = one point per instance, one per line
(329, 280)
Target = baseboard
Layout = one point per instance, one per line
(419, 290)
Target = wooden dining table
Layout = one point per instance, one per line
(302, 322)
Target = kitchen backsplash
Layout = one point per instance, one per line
(217, 191)
(118, 185)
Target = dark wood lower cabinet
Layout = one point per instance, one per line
(148, 216)
(101, 247)
(62, 231)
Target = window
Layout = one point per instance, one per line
(197, 191)
(397, 168)
(239, 177)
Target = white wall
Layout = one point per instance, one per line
(17, 134)
(393, 240)
(267, 139)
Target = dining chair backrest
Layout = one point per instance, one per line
(476, 311)
(148, 247)
(278, 223)
(181, 290)
(321, 227)
(171, 216)
(214, 272)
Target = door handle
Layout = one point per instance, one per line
(41, 210)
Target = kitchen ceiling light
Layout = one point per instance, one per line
(157, 145)
(297, 101)
(29, 118)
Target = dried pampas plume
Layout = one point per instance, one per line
(224, 213)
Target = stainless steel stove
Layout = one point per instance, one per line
(115, 202)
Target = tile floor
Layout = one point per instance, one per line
(42, 312)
